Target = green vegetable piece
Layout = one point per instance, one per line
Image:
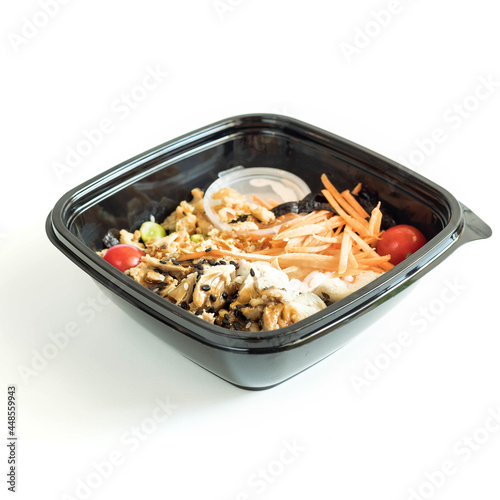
(151, 231)
(197, 238)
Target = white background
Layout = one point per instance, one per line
(391, 89)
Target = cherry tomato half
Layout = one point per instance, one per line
(400, 241)
(123, 257)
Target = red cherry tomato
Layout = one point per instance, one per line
(400, 241)
(123, 257)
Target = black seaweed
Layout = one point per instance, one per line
(307, 205)
(111, 238)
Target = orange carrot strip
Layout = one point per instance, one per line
(386, 266)
(375, 261)
(364, 246)
(355, 204)
(360, 228)
(342, 201)
(375, 221)
(357, 189)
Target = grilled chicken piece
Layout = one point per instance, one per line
(272, 317)
(155, 277)
(233, 205)
(164, 288)
(166, 267)
(301, 307)
(279, 315)
(183, 291)
(138, 273)
(184, 216)
(213, 281)
(332, 290)
(131, 238)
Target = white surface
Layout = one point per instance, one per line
(407, 86)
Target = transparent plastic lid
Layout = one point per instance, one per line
(272, 185)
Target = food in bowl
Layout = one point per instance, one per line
(278, 263)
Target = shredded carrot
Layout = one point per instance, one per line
(342, 201)
(355, 204)
(375, 221)
(359, 227)
(357, 189)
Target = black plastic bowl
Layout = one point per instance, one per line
(157, 180)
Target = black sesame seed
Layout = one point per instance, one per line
(240, 306)
(198, 276)
(176, 263)
(163, 262)
(252, 272)
(212, 262)
(222, 262)
(225, 321)
(232, 262)
(198, 312)
(229, 301)
(184, 305)
(199, 266)
(226, 316)
(156, 270)
(205, 288)
(224, 295)
(209, 249)
(213, 298)
(211, 310)
(235, 296)
(236, 326)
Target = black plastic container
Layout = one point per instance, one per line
(157, 180)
